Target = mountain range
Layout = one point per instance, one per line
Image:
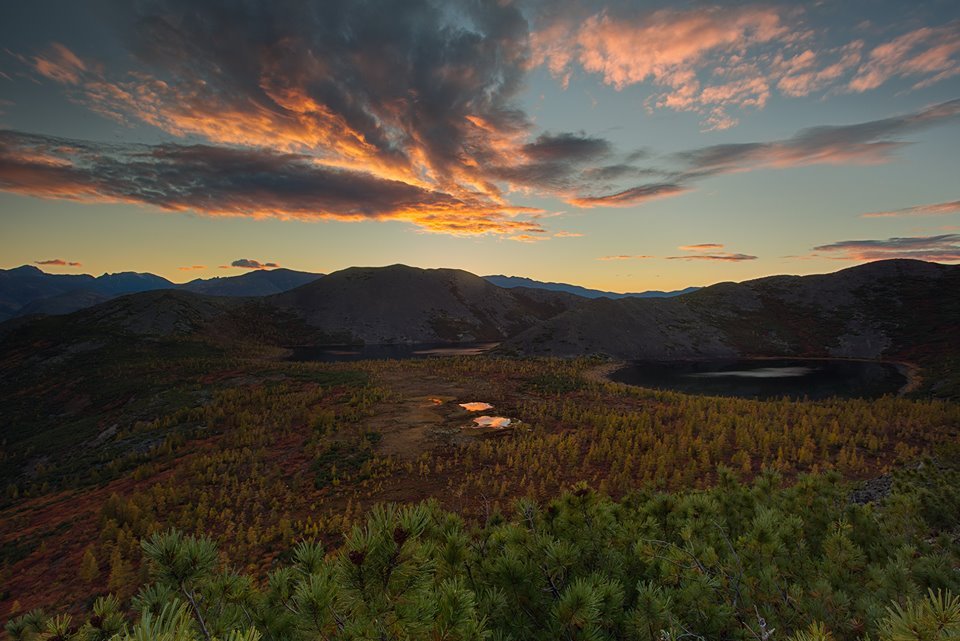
(895, 309)
(27, 290)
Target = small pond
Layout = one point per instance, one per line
(767, 378)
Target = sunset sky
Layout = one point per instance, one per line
(620, 145)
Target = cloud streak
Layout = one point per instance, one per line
(629, 197)
(866, 143)
(626, 257)
(58, 262)
(935, 209)
(942, 247)
(709, 252)
(701, 247)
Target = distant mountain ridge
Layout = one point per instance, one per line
(23, 288)
(896, 309)
(29, 290)
(260, 282)
(519, 281)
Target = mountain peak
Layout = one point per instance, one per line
(25, 270)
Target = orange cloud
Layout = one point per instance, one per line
(936, 209)
(700, 247)
(804, 73)
(712, 59)
(257, 183)
(933, 52)
(191, 268)
(567, 234)
(60, 64)
(527, 238)
(457, 160)
(669, 47)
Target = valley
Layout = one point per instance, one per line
(172, 410)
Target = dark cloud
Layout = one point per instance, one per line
(410, 86)
(404, 110)
(566, 146)
(249, 263)
(632, 196)
(943, 247)
(235, 182)
(420, 91)
(709, 251)
(862, 143)
(721, 256)
(611, 172)
(58, 262)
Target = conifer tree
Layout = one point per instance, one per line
(89, 568)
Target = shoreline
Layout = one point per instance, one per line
(910, 371)
(601, 373)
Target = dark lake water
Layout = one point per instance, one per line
(332, 354)
(767, 378)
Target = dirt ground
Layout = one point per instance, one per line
(427, 414)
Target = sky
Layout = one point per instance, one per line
(624, 146)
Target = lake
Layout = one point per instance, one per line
(332, 354)
(767, 378)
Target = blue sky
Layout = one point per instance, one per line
(624, 146)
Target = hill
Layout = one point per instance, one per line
(401, 304)
(518, 281)
(887, 309)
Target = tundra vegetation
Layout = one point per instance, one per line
(248, 497)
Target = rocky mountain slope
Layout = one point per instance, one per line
(895, 308)
(400, 304)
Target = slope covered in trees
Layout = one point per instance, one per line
(755, 561)
(258, 454)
